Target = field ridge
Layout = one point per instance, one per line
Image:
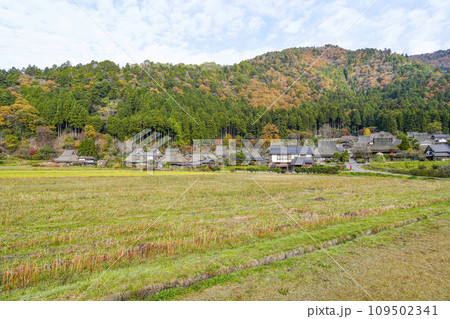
(165, 291)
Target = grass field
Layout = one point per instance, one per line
(408, 263)
(76, 233)
(419, 168)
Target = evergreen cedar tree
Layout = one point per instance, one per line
(87, 148)
(405, 144)
(348, 90)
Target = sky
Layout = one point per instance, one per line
(48, 32)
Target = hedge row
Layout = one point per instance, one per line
(319, 169)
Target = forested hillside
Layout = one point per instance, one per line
(439, 58)
(346, 89)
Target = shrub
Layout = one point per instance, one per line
(379, 158)
(258, 169)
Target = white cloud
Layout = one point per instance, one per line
(50, 32)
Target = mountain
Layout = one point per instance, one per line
(298, 89)
(439, 58)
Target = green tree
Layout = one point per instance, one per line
(46, 152)
(434, 127)
(240, 157)
(87, 148)
(12, 142)
(404, 145)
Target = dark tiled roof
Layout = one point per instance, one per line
(439, 136)
(442, 154)
(299, 161)
(291, 150)
(439, 150)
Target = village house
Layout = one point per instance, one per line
(139, 157)
(68, 157)
(362, 146)
(88, 160)
(222, 152)
(174, 158)
(440, 138)
(422, 138)
(301, 161)
(383, 145)
(326, 150)
(287, 157)
(347, 142)
(204, 157)
(438, 152)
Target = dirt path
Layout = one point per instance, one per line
(357, 168)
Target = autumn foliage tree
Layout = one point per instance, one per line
(270, 132)
(20, 117)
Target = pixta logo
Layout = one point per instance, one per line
(142, 150)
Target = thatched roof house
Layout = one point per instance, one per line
(362, 146)
(222, 151)
(174, 157)
(138, 156)
(383, 145)
(205, 156)
(68, 156)
(326, 149)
